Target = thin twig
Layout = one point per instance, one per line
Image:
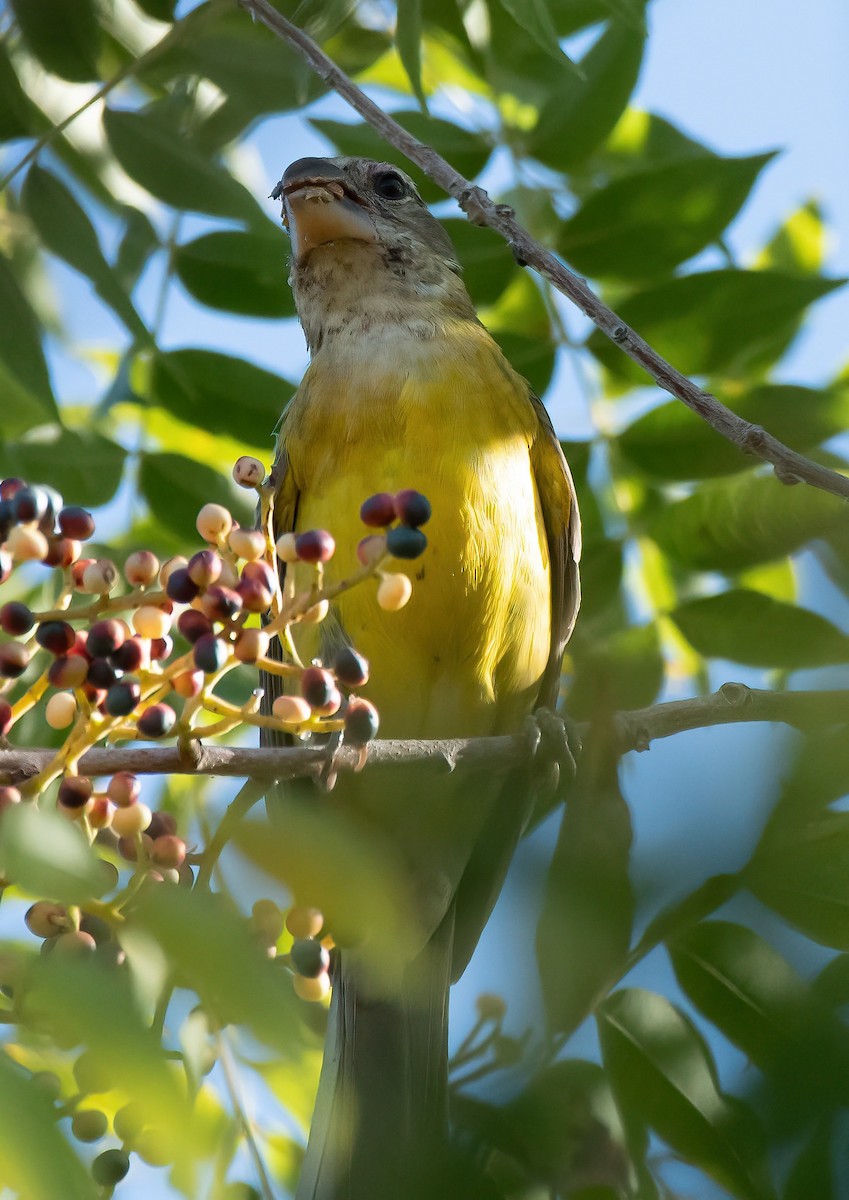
(230, 1073)
(734, 703)
(789, 466)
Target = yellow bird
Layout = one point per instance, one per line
(406, 389)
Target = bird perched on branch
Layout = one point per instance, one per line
(406, 389)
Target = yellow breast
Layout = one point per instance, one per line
(448, 417)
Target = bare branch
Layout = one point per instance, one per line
(790, 467)
(734, 703)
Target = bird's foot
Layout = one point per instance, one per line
(554, 743)
(326, 777)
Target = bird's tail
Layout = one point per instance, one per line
(380, 1119)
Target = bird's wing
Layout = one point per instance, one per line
(559, 504)
(285, 514)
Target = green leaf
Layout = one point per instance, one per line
(569, 16)
(65, 229)
(85, 467)
(752, 628)
(488, 266)
(160, 10)
(65, 38)
(584, 107)
(799, 244)
(176, 487)
(220, 393)
(801, 871)
(643, 140)
(172, 169)
(18, 116)
(20, 342)
(646, 223)
(681, 914)
(21, 409)
(585, 924)
(408, 41)
(730, 525)
(533, 358)
(662, 1072)
(671, 442)
(714, 321)
(466, 151)
(48, 857)
(535, 19)
(812, 1173)
(138, 243)
(622, 670)
(237, 272)
(37, 1161)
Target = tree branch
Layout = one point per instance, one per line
(734, 703)
(789, 466)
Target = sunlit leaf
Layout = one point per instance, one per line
(641, 140)
(661, 1069)
(48, 857)
(714, 321)
(646, 223)
(408, 36)
(237, 272)
(799, 244)
(65, 38)
(85, 467)
(752, 628)
(734, 524)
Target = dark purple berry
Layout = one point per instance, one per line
(105, 637)
(76, 522)
(315, 546)
(412, 508)
(350, 667)
(317, 687)
(75, 791)
(308, 957)
(221, 603)
(255, 596)
(404, 542)
(16, 619)
(56, 636)
(162, 824)
(30, 504)
(181, 587)
(361, 722)
(378, 511)
(161, 648)
(102, 675)
(122, 697)
(193, 625)
(130, 656)
(157, 721)
(10, 487)
(210, 653)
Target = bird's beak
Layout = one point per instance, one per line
(320, 206)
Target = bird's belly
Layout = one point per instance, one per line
(466, 654)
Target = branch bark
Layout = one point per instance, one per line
(790, 467)
(733, 703)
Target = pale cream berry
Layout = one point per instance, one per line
(302, 921)
(214, 522)
(100, 577)
(248, 544)
(291, 710)
(151, 622)
(251, 644)
(285, 547)
(267, 918)
(27, 544)
(141, 568)
(313, 990)
(248, 472)
(100, 816)
(317, 613)
(393, 592)
(126, 822)
(60, 710)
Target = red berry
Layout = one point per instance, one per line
(255, 597)
(350, 667)
(317, 687)
(361, 722)
(10, 487)
(193, 625)
(78, 569)
(132, 655)
(5, 717)
(68, 671)
(204, 568)
(188, 684)
(105, 637)
(157, 721)
(378, 511)
(168, 850)
(221, 603)
(75, 791)
(260, 573)
(315, 546)
(371, 549)
(61, 552)
(181, 587)
(14, 660)
(161, 648)
(412, 508)
(122, 697)
(123, 789)
(16, 618)
(76, 522)
(162, 824)
(56, 636)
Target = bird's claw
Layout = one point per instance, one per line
(554, 744)
(326, 778)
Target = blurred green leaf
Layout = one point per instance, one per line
(220, 393)
(714, 321)
(584, 106)
(466, 151)
(66, 230)
(643, 140)
(622, 670)
(160, 10)
(237, 272)
(488, 266)
(801, 871)
(752, 628)
(671, 442)
(731, 525)
(20, 342)
(408, 39)
(85, 467)
(571, 15)
(47, 856)
(812, 1173)
(65, 38)
(18, 116)
(585, 925)
(155, 155)
(646, 223)
(681, 914)
(37, 1161)
(531, 357)
(535, 18)
(662, 1070)
(799, 244)
(138, 243)
(21, 409)
(176, 487)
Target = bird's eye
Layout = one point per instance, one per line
(390, 186)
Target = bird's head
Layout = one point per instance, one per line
(365, 249)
